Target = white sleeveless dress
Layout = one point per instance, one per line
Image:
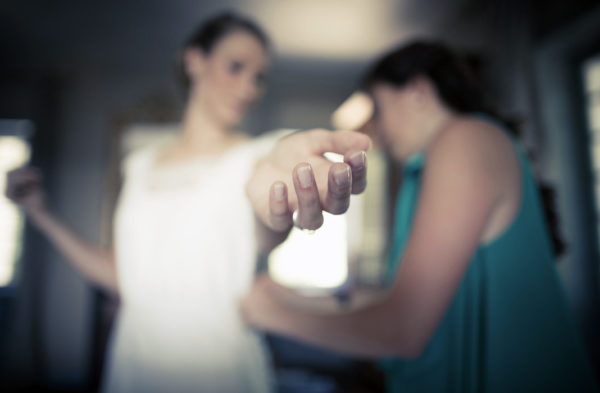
(184, 243)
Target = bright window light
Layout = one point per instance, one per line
(591, 72)
(353, 113)
(313, 262)
(346, 250)
(14, 152)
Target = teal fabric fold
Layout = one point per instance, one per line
(509, 327)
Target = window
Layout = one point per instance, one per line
(347, 249)
(14, 152)
(591, 70)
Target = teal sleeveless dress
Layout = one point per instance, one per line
(509, 327)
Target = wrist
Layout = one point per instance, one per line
(39, 216)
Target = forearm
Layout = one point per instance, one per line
(357, 298)
(368, 332)
(95, 264)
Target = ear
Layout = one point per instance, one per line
(194, 62)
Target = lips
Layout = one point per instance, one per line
(239, 106)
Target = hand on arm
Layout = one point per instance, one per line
(95, 264)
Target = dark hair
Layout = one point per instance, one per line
(460, 89)
(211, 31)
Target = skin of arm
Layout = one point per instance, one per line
(360, 297)
(448, 226)
(93, 263)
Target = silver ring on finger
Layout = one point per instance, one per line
(295, 221)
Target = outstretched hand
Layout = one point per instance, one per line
(297, 163)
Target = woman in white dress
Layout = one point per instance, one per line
(184, 247)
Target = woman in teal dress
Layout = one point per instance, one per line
(474, 303)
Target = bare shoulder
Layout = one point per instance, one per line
(478, 144)
(483, 155)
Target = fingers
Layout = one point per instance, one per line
(22, 175)
(21, 182)
(352, 145)
(310, 214)
(339, 186)
(358, 163)
(280, 215)
(309, 206)
(343, 179)
(340, 142)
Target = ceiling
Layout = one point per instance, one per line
(110, 33)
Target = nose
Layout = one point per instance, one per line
(249, 89)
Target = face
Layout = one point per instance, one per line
(229, 78)
(398, 119)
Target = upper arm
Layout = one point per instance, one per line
(458, 195)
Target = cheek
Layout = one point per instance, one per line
(220, 79)
(386, 134)
(393, 135)
(389, 129)
(222, 82)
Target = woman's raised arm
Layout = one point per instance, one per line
(95, 264)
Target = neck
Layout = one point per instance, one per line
(200, 129)
(436, 123)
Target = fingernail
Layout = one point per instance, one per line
(278, 191)
(342, 176)
(304, 176)
(358, 159)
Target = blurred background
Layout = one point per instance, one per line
(76, 77)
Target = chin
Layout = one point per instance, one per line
(396, 153)
(231, 118)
